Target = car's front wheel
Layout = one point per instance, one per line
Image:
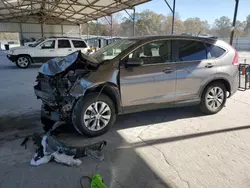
(23, 61)
(94, 114)
(213, 98)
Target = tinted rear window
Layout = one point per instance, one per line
(191, 50)
(79, 44)
(214, 51)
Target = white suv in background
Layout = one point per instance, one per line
(46, 49)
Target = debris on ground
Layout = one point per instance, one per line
(49, 148)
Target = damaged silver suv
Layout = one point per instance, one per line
(136, 74)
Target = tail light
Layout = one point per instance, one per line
(236, 58)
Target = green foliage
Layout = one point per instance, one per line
(148, 22)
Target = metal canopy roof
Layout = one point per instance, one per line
(61, 11)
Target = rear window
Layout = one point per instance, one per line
(214, 51)
(191, 50)
(64, 44)
(79, 44)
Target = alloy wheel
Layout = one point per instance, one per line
(23, 61)
(214, 98)
(97, 116)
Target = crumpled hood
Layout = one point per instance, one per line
(60, 64)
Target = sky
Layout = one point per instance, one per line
(204, 9)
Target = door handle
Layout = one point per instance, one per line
(168, 70)
(69, 49)
(209, 65)
(52, 50)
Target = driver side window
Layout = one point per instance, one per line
(49, 44)
(153, 52)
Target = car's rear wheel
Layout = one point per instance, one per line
(94, 114)
(23, 61)
(213, 98)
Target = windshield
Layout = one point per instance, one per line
(112, 50)
(37, 42)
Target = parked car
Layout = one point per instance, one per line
(46, 49)
(144, 73)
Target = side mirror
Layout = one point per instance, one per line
(134, 62)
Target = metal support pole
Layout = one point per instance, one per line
(97, 28)
(21, 34)
(134, 22)
(62, 29)
(234, 21)
(42, 29)
(111, 25)
(173, 12)
(173, 17)
(80, 30)
(98, 41)
(87, 31)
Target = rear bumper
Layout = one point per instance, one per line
(12, 58)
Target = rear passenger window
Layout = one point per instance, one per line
(79, 44)
(64, 44)
(191, 50)
(214, 51)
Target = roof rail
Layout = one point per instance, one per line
(62, 37)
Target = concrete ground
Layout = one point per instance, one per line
(179, 148)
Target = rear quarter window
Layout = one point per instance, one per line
(79, 44)
(214, 51)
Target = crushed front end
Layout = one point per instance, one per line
(55, 82)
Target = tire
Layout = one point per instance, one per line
(23, 61)
(210, 100)
(86, 121)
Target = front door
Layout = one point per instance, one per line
(45, 52)
(194, 67)
(150, 83)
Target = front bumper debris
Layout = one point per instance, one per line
(50, 114)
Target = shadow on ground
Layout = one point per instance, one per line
(13, 66)
(122, 166)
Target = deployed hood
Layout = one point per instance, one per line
(58, 65)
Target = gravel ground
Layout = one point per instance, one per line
(163, 148)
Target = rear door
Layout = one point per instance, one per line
(154, 81)
(79, 45)
(193, 67)
(64, 47)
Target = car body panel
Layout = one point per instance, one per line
(148, 87)
(147, 84)
(38, 54)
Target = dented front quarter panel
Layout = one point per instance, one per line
(105, 74)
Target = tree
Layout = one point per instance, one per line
(178, 26)
(148, 23)
(195, 26)
(126, 27)
(223, 26)
(239, 28)
(247, 27)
